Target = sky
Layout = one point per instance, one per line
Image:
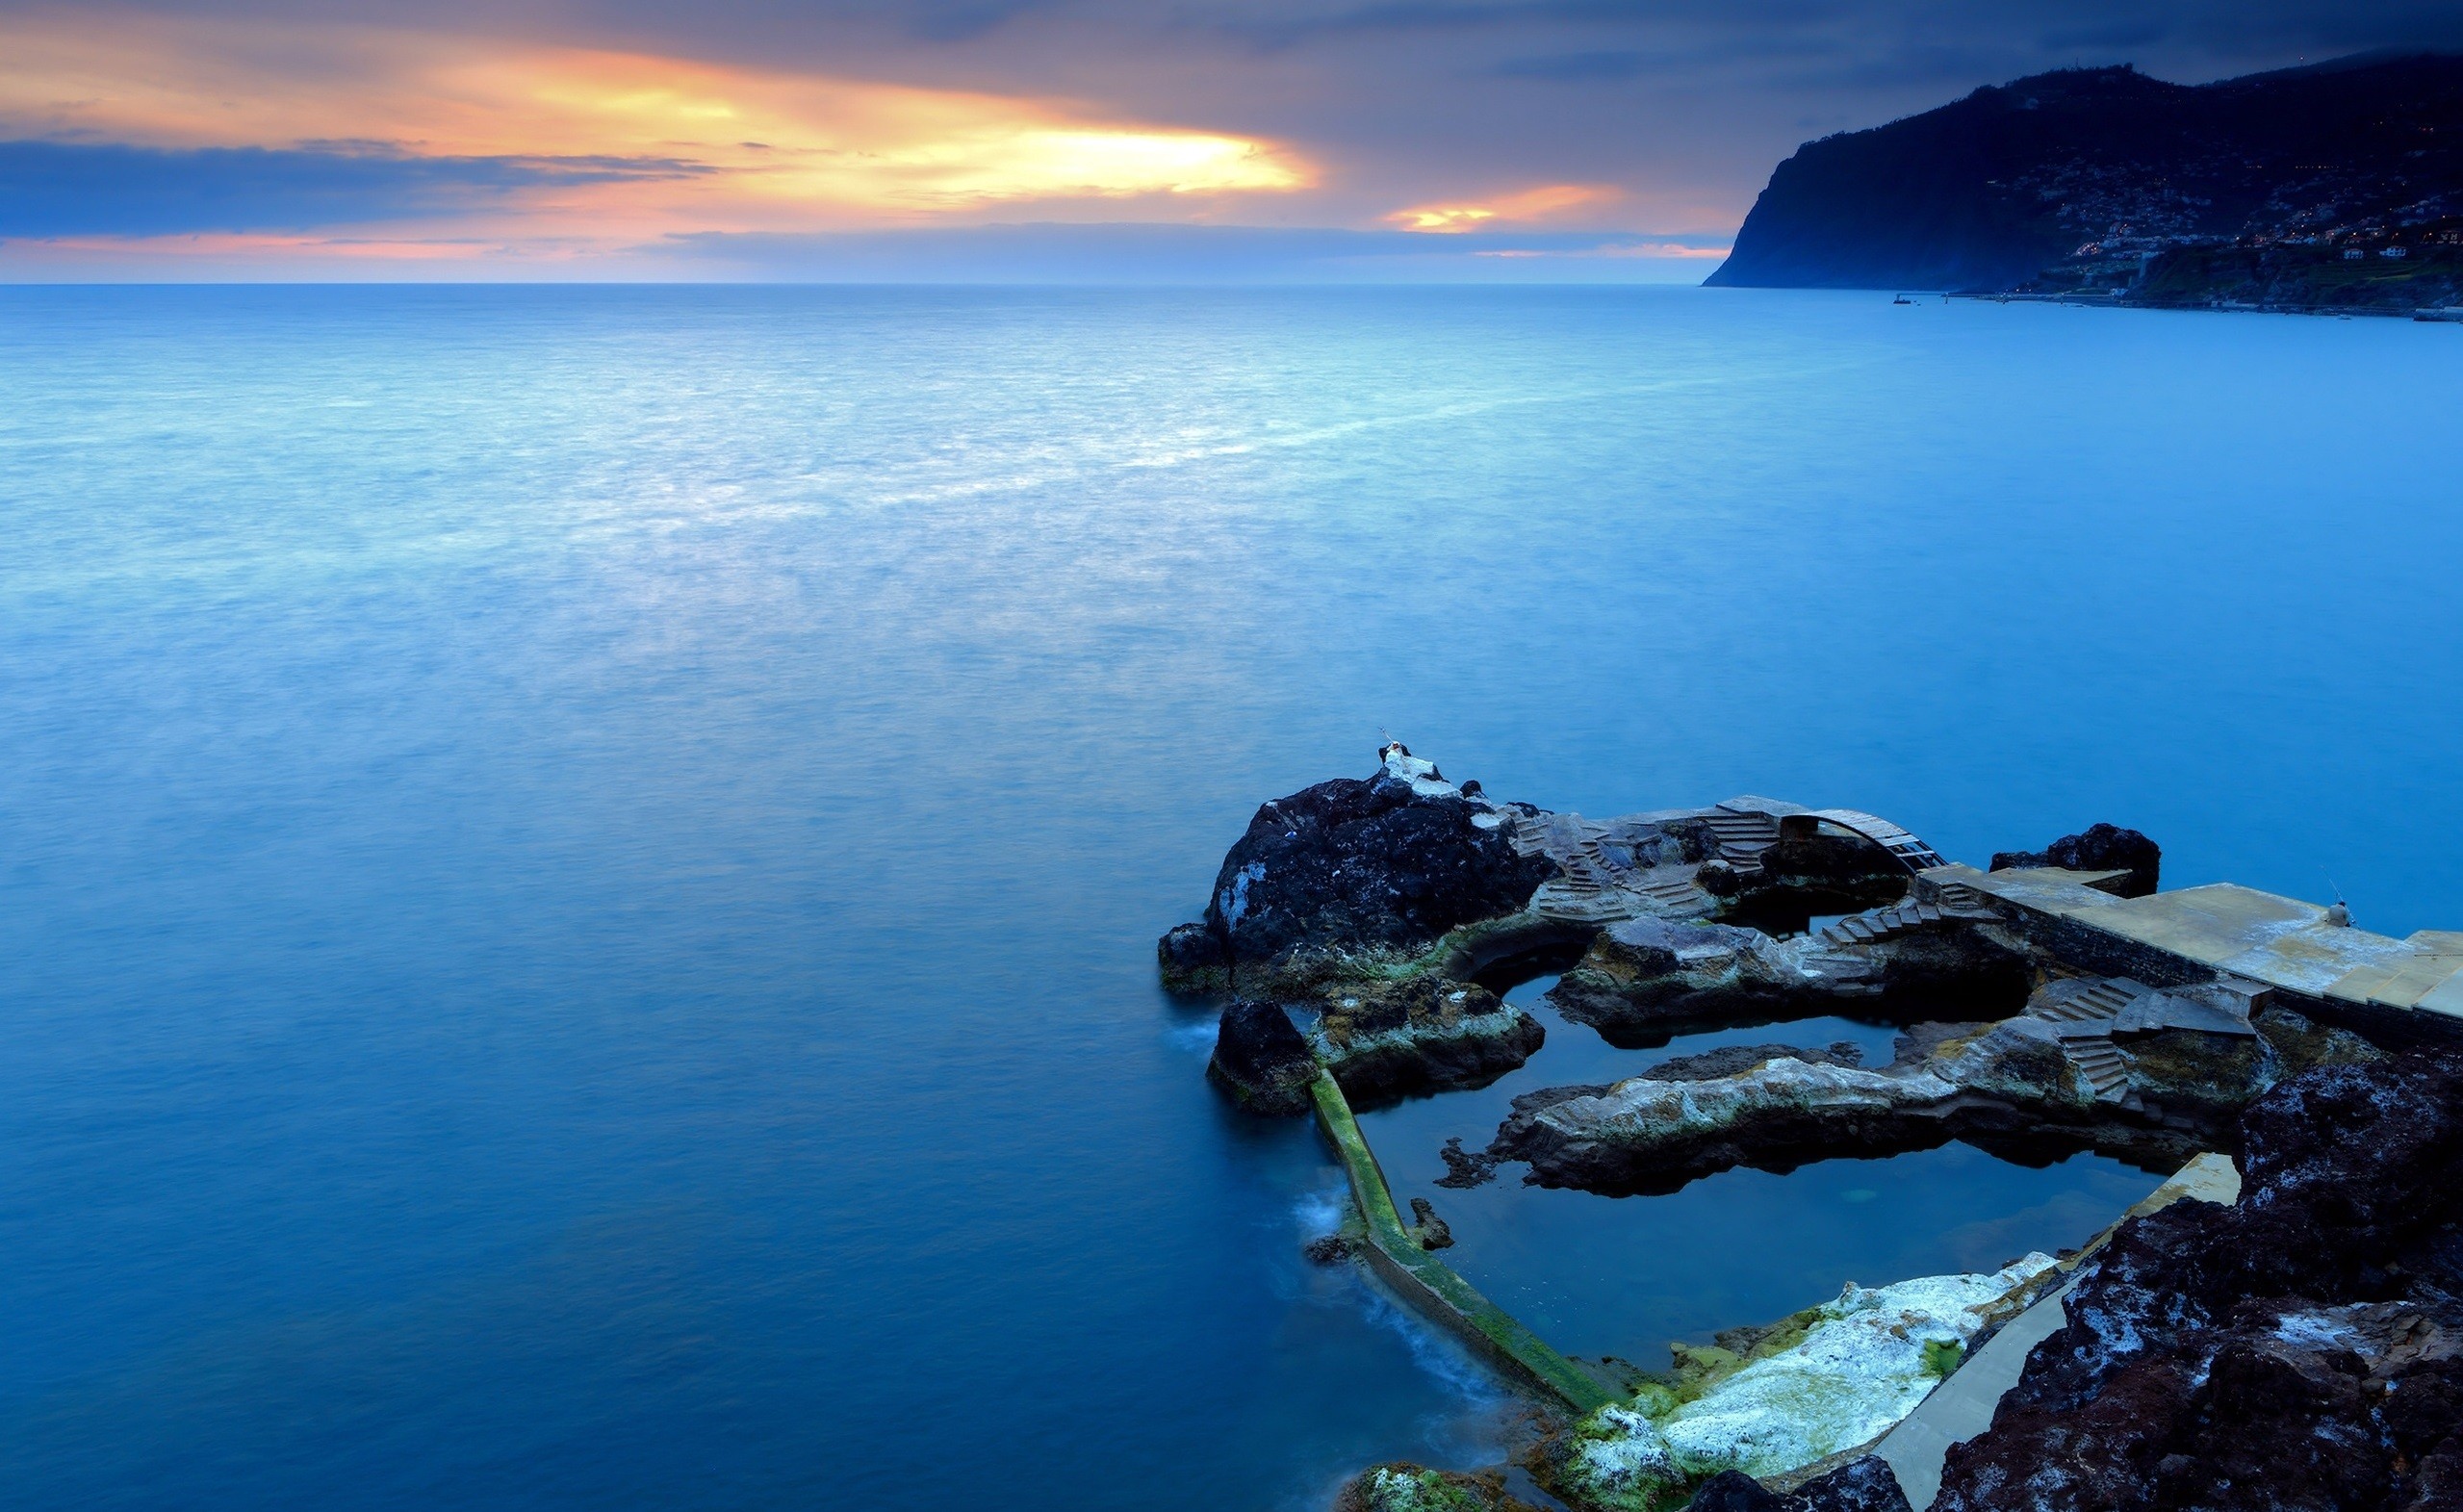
(991, 139)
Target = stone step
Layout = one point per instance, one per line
(2100, 1064)
(1958, 895)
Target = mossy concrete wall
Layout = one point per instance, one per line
(1430, 1284)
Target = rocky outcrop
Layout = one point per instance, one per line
(1646, 980)
(1814, 873)
(2300, 1350)
(1386, 1040)
(1861, 1485)
(1382, 867)
(1259, 1058)
(1383, 1040)
(1648, 1134)
(2101, 847)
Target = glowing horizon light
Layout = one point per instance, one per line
(1545, 202)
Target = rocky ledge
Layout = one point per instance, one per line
(2302, 1348)
(2013, 1085)
(1383, 1040)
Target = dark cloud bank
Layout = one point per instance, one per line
(54, 188)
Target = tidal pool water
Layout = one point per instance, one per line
(1627, 1276)
(578, 867)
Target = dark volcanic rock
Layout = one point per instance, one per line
(1194, 959)
(1861, 1485)
(1735, 1491)
(1465, 1169)
(1261, 1059)
(2301, 1350)
(1353, 865)
(2103, 847)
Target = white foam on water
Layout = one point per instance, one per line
(1320, 1212)
(1198, 1038)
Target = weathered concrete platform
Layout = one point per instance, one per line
(2411, 989)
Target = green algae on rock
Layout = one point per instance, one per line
(1841, 1377)
(1410, 1488)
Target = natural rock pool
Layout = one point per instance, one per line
(1628, 1275)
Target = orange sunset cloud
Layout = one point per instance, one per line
(1529, 206)
(692, 145)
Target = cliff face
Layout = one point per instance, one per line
(2092, 181)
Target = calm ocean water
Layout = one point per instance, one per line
(577, 867)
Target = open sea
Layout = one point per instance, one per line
(579, 867)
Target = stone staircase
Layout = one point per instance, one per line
(1669, 888)
(1743, 835)
(1592, 889)
(1960, 898)
(1875, 925)
(2083, 1022)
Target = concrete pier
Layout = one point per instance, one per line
(1431, 1285)
(2261, 945)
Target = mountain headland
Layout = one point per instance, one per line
(2337, 187)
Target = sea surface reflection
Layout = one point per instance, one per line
(579, 867)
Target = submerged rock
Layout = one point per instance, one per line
(1831, 1380)
(1383, 866)
(2103, 847)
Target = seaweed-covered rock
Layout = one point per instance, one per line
(2300, 1350)
(2103, 847)
(1401, 1487)
(1385, 866)
(1262, 1060)
(1194, 959)
(1821, 1384)
(1388, 1039)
